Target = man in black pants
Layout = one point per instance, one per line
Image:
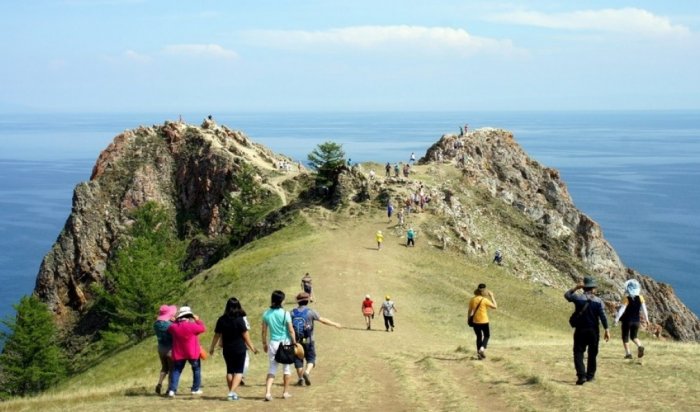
(589, 309)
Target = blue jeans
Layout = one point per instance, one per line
(178, 366)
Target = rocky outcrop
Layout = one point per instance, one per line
(491, 160)
(187, 169)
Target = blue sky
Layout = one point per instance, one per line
(216, 56)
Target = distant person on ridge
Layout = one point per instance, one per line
(478, 310)
(166, 316)
(588, 310)
(307, 286)
(387, 168)
(396, 170)
(368, 311)
(388, 309)
(380, 239)
(413, 157)
(629, 313)
(498, 258)
(303, 319)
(185, 332)
(389, 210)
(232, 331)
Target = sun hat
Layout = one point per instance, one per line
(303, 296)
(366, 296)
(589, 282)
(166, 312)
(387, 297)
(632, 287)
(184, 311)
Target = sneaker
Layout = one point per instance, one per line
(482, 353)
(392, 328)
(171, 394)
(158, 388)
(590, 378)
(286, 395)
(197, 392)
(306, 379)
(581, 380)
(300, 382)
(628, 356)
(232, 396)
(268, 397)
(640, 351)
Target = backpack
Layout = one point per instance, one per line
(301, 324)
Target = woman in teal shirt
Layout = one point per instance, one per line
(278, 323)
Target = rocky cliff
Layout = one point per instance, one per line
(187, 169)
(491, 160)
(191, 170)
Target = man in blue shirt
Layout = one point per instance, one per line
(589, 309)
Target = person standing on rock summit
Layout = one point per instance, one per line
(588, 311)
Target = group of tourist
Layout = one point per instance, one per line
(388, 309)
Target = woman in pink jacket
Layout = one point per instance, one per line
(185, 331)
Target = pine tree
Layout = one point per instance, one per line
(144, 274)
(31, 360)
(327, 159)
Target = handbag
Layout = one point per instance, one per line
(285, 351)
(470, 318)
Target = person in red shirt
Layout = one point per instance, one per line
(368, 311)
(185, 331)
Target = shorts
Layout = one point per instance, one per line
(166, 362)
(308, 289)
(271, 351)
(235, 361)
(309, 355)
(629, 331)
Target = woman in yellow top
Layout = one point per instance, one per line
(478, 307)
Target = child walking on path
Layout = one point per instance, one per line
(380, 238)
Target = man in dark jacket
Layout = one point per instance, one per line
(589, 309)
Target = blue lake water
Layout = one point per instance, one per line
(635, 173)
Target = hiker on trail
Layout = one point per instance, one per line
(389, 210)
(185, 331)
(278, 323)
(380, 239)
(307, 286)
(413, 157)
(498, 258)
(630, 312)
(410, 237)
(232, 331)
(478, 309)
(303, 319)
(400, 216)
(388, 310)
(166, 316)
(368, 311)
(387, 168)
(588, 310)
(396, 170)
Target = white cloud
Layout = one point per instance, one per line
(626, 20)
(385, 38)
(200, 50)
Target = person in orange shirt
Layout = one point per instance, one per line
(478, 308)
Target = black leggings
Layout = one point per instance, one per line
(629, 331)
(482, 335)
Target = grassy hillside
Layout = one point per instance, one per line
(427, 364)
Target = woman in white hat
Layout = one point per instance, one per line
(185, 332)
(631, 312)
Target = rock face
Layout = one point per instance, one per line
(187, 169)
(491, 160)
